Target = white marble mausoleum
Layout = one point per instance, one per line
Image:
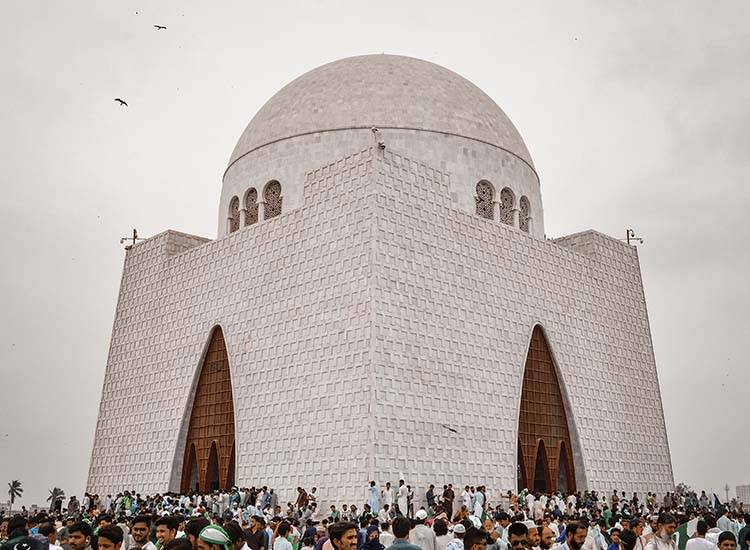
(380, 305)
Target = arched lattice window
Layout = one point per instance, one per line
(507, 202)
(251, 206)
(484, 198)
(524, 214)
(234, 214)
(272, 196)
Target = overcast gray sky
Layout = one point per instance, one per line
(636, 115)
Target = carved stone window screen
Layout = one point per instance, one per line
(507, 202)
(273, 198)
(484, 198)
(234, 214)
(525, 212)
(251, 207)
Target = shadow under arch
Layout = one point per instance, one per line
(545, 414)
(213, 479)
(541, 469)
(208, 418)
(564, 475)
(190, 474)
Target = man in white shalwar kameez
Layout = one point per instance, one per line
(479, 503)
(530, 498)
(388, 495)
(403, 498)
(466, 498)
(374, 497)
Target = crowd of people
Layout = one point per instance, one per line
(446, 519)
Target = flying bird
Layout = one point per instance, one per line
(159, 27)
(449, 428)
(121, 102)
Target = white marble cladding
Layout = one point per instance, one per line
(360, 322)
(456, 299)
(467, 161)
(387, 91)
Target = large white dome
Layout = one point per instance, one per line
(425, 113)
(387, 91)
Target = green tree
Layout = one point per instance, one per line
(14, 491)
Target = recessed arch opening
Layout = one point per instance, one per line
(273, 199)
(212, 469)
(541, 469)
(210, 438)
(190, 476)
(545, 438)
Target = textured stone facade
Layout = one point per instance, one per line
(377, 306)
(363, 322)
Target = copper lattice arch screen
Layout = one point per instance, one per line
(543, 434)
(211, 423)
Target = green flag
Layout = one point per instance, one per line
(684, 532)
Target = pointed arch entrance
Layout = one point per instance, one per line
(541, 469)
(209, 449)
(191, 469)
(212, 470)
(544, 446)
